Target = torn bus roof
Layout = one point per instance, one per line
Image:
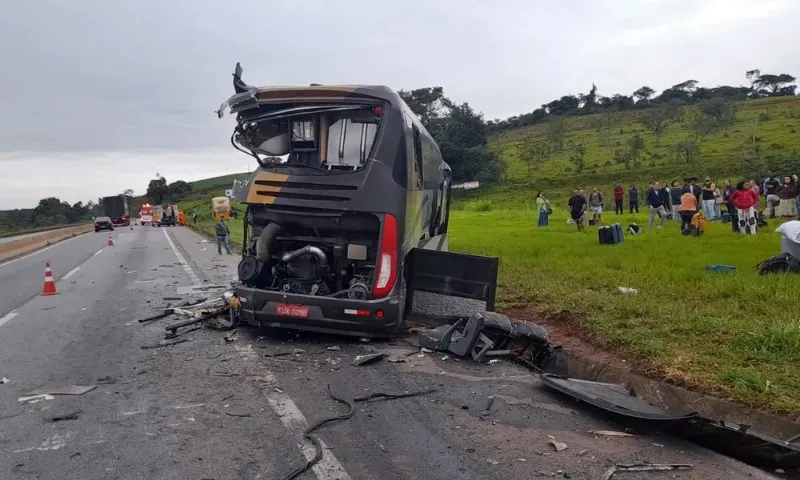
(248, 96)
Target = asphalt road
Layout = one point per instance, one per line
(212, 409)
(23, 278)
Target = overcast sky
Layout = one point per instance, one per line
(100, 95)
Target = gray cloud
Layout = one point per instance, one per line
(104, 77)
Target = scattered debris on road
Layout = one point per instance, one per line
(559, 446)
(643, 467)
(62, 390)
(737, 441)
(366, 359)
(350, 413)
(488, 334)
(243, 415)
(165, 344)
(610, 433)
(69, 416)
(34, 398)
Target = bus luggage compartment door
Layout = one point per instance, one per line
(449, 274)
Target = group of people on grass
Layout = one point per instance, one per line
(688, 201)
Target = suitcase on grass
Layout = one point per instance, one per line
(605, 235)
(616, 232)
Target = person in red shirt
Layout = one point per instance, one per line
(745, 199)
(619, 193)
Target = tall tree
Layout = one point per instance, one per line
(157, 190)
(578, 157)
(776, 84)
(426, 103)
(752, 77)
(557, 133)
(534, 152)
(658, 120)
(643, 94)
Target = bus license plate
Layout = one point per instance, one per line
(292, 310)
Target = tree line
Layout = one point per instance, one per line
(685, 93)
(160, 192)
(462, 133)
(48, 213)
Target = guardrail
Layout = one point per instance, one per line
(23, 246)
(41, 229)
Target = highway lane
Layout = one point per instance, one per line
(22, 279)
(208, 408)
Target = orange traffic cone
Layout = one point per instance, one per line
(49, 284)
(110, 241)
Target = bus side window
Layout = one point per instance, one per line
(417, 159)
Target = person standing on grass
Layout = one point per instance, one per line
(686, 209)
(754, 186)
(797, 199)
(745, 200)
(544, 208)
(596, 206)
(697, 191)
(619, 196)
(633, 199)
(675, 194)
(657, 201)
(577, 206)
(708, 198)
(223, 233)
(771, 188)
(788, 198)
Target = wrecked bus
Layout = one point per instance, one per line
(347, 213)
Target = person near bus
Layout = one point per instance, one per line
(223, 234)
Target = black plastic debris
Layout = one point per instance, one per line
(488, 334)
(738, 441)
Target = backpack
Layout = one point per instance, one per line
(783, 263)
(634, 229)
(220, 229)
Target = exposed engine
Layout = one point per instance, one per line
(284, 258)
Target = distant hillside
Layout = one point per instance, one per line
(217, 183)
(598, 149)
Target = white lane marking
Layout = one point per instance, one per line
(188, 269)
(329, 467)
(8, 316)
(98, 252)
(70, 273)
(37, 252)
(293, 419)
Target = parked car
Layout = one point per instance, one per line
(103, 223)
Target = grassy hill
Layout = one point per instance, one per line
(773, 122)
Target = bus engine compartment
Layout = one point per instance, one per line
(332, 256)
